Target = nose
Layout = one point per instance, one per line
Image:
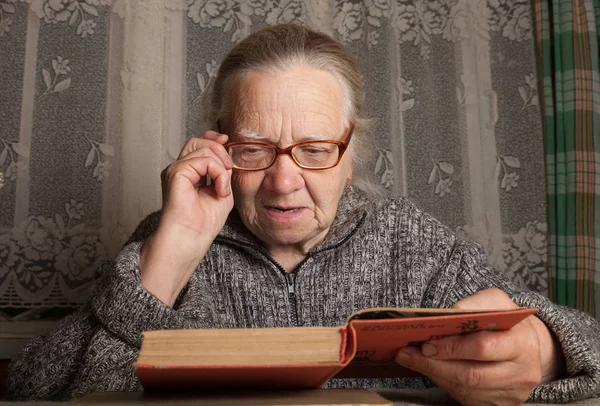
(284, 176)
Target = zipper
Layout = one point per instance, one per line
(290, 280)
(290, 277)
(291, 285)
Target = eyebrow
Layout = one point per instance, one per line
(249, 135)
(246, 135)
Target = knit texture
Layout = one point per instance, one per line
(377, 254)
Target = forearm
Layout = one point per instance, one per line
(126, 308)
(61, 366)
(107, 366)
(168, 259)
(553, 360)
(47, 366)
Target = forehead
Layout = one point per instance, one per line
(296, 103)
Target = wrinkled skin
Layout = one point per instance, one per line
(489, 367)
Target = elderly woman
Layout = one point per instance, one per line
(282, 235)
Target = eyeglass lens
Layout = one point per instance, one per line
(316, 155)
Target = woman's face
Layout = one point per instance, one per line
(288, 207)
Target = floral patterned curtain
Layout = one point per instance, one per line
(97, 96)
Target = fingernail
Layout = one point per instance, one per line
(429, 350)
(403, 357)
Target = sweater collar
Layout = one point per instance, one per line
(350, 215)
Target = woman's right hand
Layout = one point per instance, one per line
(193, 214)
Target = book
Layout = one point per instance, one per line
(320, 397)
(303, 357)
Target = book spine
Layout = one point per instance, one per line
(344, 332)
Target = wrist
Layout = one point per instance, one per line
(553, 360)
(167, 261)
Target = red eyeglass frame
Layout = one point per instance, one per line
(342, 145)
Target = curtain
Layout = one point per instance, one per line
(568, 39)
(97, 96)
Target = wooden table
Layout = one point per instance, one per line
(396, 397)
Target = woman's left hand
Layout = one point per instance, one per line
(489, 367)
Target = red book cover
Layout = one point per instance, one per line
(378, 340)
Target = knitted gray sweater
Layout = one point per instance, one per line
(385, 253)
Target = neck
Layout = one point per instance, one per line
(288, 259)
(290, 255)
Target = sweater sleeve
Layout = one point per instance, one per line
(577, 332)
(126, 309)
(46, 366)
(94, 348)
(467, 271)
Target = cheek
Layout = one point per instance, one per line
(245, 185)
(327, 190)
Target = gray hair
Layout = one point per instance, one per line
(278, 48)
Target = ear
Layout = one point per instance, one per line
(349, 178)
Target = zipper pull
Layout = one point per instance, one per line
(291, 283)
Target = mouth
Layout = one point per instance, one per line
(284, 209)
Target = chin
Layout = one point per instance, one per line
(284, 238)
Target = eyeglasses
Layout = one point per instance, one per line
(315, 155)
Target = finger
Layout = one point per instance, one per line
(478, 346)
(486, 299)
(199, 148)
(198, 143)
(215, 136)
(220, 178)
(223, 183)
(219, 175)
(453, 373)
(212, 150)
(196, 168)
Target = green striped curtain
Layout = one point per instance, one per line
(568, 39)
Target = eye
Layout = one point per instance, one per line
(245, 154)
(254, 150)
(313, 149)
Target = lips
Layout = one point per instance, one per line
(284, 209)
(284, 213)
